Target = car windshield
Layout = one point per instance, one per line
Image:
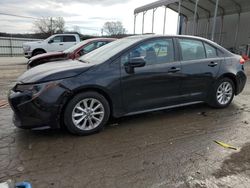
(105, 52)
(73, 48)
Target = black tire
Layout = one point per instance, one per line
(37, 52)
(70, 109)
(212, 98)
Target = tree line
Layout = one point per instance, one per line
(46, 27)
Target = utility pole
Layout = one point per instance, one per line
(51, 25)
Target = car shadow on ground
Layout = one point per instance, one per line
(202, 110)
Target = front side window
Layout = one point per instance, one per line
(57, 39)
(92, 46)
(101, 43)
(192, 49)
(89, 47)
(210, 51)
(154, 52)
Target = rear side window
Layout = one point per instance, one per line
(69, 39)
(210, 51)
(192, 49)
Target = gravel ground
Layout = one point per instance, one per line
(171, 148)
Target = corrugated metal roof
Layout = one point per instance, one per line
(205, 8)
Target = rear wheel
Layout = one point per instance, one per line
(86, 113)
(222, 93)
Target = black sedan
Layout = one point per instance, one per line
(129, 76)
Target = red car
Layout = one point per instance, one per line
(74, 52)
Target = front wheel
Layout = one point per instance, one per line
(86, 113)
(37, 52)
(222, 93)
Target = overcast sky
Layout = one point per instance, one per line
(89, 15)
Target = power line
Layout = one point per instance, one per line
(15, 15)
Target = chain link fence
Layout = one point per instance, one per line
(10, 46)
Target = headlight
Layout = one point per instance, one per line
(34, 88)
(26, 48)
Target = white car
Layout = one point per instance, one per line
(54, 43)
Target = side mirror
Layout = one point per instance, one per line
(137, 62)
(51, 41)
(77, 55)
(133, 63)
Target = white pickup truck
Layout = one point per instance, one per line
(58, 42)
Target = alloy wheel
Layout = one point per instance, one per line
(88, 114)
(224, 93)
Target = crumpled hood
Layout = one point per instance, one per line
(47, 55)
(54, 71)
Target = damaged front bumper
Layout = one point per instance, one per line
(37, 105)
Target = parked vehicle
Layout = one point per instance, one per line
(58, 42)
(128, 76)
(73, 52)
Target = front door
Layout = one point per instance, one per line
(56, 44)
(68, 41)
(155, 85)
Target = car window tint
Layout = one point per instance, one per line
(154, 52)
(69, 39)
(192, 49)
(101, 43)
(210, 51)
(90, 47)
(57, 39)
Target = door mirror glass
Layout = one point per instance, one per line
(137, 62)
(51, 41)
(133, 63)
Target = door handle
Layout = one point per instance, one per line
(212, 64)
(61, 44)
(174, 69)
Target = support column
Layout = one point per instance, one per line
(143, 14)
(178, 23)
(164, 23)
(134, 22)
(195, 15)
(214, 21)
(221, 29)
(208, 25)
(153, 19)
(186, 25)
(237, 32)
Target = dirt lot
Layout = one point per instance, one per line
(171, 148)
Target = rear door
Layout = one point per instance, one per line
(68, 41)
(155, 85)
(200, 65)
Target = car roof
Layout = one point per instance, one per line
(148, 36)
(145, 36)
(100, 38)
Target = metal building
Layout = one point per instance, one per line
(223, 21)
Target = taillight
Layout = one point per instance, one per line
(242, 61)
